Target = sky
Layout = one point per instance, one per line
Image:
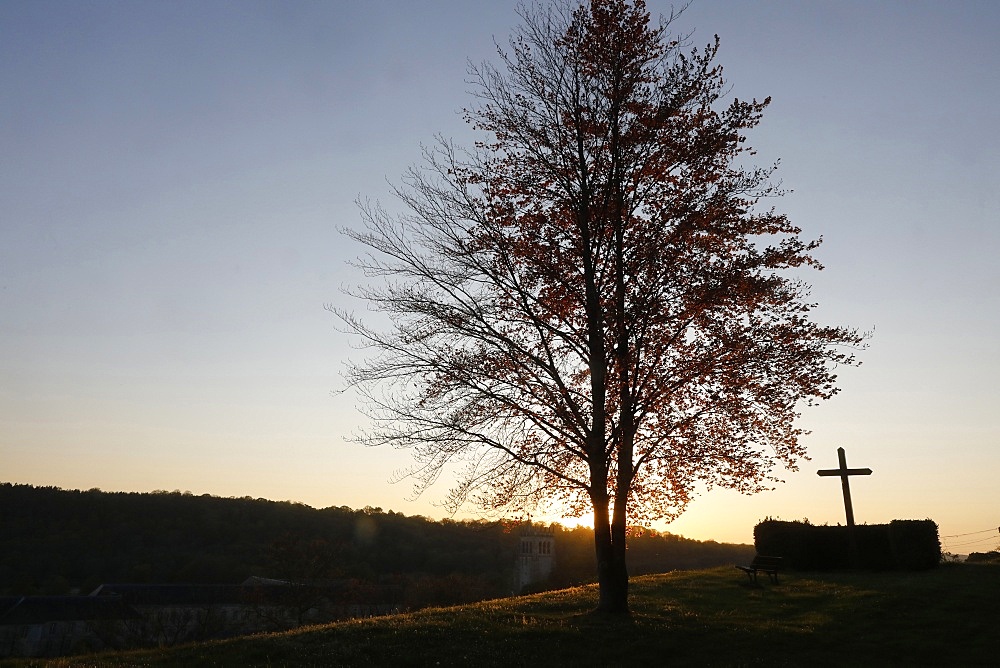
(174, 177)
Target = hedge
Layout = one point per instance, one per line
(899, 545)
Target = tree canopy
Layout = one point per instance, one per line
(592, 307)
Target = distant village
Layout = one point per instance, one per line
(124, 616)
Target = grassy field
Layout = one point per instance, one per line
(946, 617)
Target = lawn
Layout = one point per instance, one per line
(946, 617)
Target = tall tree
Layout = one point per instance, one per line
(590, 307)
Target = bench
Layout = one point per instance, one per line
(769, 565)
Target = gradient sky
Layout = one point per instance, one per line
(172, 177)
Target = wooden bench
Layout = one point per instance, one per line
(760, 563)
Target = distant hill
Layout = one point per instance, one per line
(55, 541)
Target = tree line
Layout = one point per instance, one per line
(56, 541)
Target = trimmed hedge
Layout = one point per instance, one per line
(899, 545)
(984, 557)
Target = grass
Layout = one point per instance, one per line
(946, 617)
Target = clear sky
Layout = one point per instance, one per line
(172, 177)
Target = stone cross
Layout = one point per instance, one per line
(844, 473)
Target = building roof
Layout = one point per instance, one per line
(209, 594)
(174, 594)
(8, 602)
(40, 609)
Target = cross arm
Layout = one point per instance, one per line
(839, 472)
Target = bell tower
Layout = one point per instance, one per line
(536, 556)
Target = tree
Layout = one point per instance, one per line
(590, 307)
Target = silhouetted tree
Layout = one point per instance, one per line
(591, 307)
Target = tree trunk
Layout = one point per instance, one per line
(612, 575)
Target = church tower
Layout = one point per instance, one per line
(536, 556)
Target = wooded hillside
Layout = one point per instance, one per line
(55, 541)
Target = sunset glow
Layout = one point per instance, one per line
(175, 174)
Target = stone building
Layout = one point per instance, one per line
(536, 556)
(123, 616)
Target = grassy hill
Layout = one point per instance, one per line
(948, 616)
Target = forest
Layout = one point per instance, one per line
(56, 541)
